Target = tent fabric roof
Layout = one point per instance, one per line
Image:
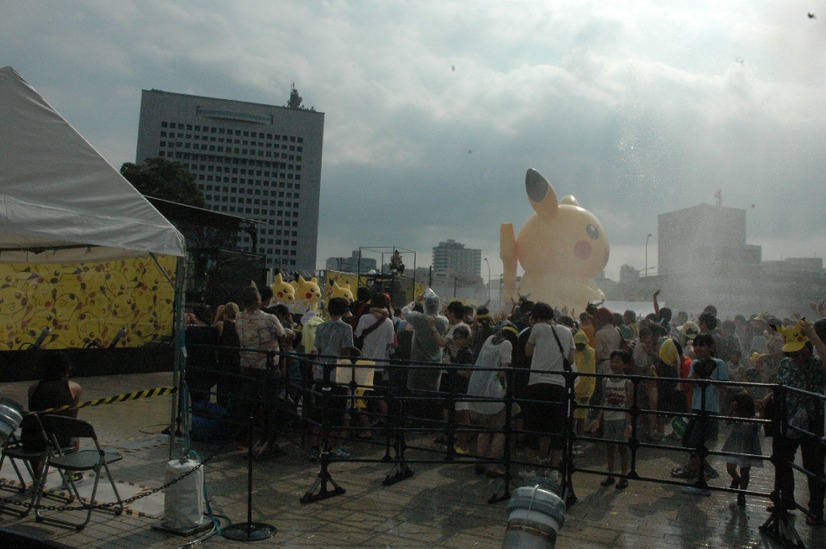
(60, 200)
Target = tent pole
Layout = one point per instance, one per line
(179, 407)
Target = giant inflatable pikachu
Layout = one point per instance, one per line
(561, 248)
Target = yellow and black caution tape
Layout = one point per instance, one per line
(136, 395)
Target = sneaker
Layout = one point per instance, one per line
(622, 484)
(339, 453)
(696, 491)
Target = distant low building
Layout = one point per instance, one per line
(353, 264)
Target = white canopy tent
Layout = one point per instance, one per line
(60, 201)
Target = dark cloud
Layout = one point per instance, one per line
(435, 110)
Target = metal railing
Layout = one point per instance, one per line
(324, 406)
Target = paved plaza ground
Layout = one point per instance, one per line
(441, 505)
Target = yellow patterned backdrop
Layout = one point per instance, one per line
(87, 303)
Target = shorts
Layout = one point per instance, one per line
(545, 411)
(699, 432)
(490, 421)
(381, 383)
(452, 384)
(336, 401)
(614, 429)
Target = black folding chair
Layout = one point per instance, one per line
(61, 428)
(10, 447)
(36, 448)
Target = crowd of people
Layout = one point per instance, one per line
(471, 355)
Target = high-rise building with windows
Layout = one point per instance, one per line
(256, 161)
(453, 257)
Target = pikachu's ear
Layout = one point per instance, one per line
(540, 194)
(278, 280)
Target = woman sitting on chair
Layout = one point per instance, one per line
(54, 389)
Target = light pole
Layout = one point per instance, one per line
(646, 253)
(488, 263)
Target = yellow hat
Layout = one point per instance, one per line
(510, 327)
(668, 352)
(794, 338)
(754, 358)
(581, 338)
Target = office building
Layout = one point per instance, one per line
(453, 257)
(704, 258)
(260, 162)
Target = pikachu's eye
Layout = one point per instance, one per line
(592, 231)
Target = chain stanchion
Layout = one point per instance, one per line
(254, 531)
(324, 477)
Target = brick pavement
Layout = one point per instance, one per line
(439, 506)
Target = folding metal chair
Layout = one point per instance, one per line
(61, 428)
(10, 445)
(37, 450)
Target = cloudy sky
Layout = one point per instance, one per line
(434, 110)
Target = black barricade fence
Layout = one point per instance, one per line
(400, 406)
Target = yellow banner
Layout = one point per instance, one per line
(86, 304)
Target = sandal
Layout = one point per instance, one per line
(607, 482)
(622, 484)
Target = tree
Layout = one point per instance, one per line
(165, 179)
